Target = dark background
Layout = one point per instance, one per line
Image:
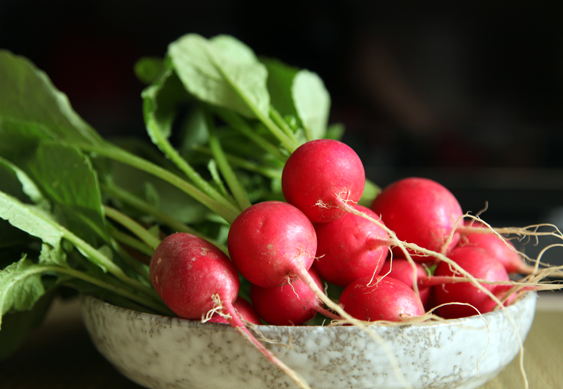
(469, 95)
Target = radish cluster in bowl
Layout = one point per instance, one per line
(280, 246)
(163, 352)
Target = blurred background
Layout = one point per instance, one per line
(470, 95)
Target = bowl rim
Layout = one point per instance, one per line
(189, 323)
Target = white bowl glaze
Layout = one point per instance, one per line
(163, 352)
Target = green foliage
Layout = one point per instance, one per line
(234, 120)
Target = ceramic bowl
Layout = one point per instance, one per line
(163, 352)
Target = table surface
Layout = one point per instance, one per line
(59, 354)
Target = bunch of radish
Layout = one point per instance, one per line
(379, 256)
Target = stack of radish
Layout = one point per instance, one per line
(287, 249)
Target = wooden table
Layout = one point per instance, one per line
(59, 355)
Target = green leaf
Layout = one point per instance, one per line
(28, 95)
(38, 223)
(17, 326)
(223, 72)
(16, 182)
(312, 102)
(148, 69)
(335, 131)
(66, 176)
(20, 286)
(194, 132)
(371, 191)
(17, 135)
(280, 82)
(160, 101)
(31, 219)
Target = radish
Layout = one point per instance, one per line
(186, 271)
(350, 247)
(245, 310)
(479, 264)
(270, 242)
(420, 211)
(194, 278)
(503, 250)
(402, 270)
(380, 298)
(320, 174)
(273, 243)
(291, 304)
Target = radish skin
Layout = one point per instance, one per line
(317, 173)
(402, 270)
(382, 298)
(350, 247)
(269, 240)
(422, 212)
(186, 271)
(503, 250)
(480, 265)
(289, 305)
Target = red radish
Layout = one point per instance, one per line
(193, 277)
(380, 298)
(321, 173)
(479, 264)
(269, 241)
(244, 308)
(292, 304)
(419, 211)
(500, 248)
(186, 271)
(402, 270)
(272, 243)
(350, 247)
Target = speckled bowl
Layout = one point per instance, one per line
(163, 352)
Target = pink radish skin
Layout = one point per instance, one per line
(288, 305)
(401, 269)
(419, 211)
(268, 241)
(350, 247)
(498, 248)
(479, 264)
(273, 243)
(245, 310)
(320, 172)
(385, 298)
(187, 271)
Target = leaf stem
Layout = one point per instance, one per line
(245, 164)
(132, 226)
(130, 241)
(239, 124)
(155, 305)
(226, 170)
(278, 119)
(146, 208)
(183, 165)
(288, 143)
(227, 211)
(101, 260)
